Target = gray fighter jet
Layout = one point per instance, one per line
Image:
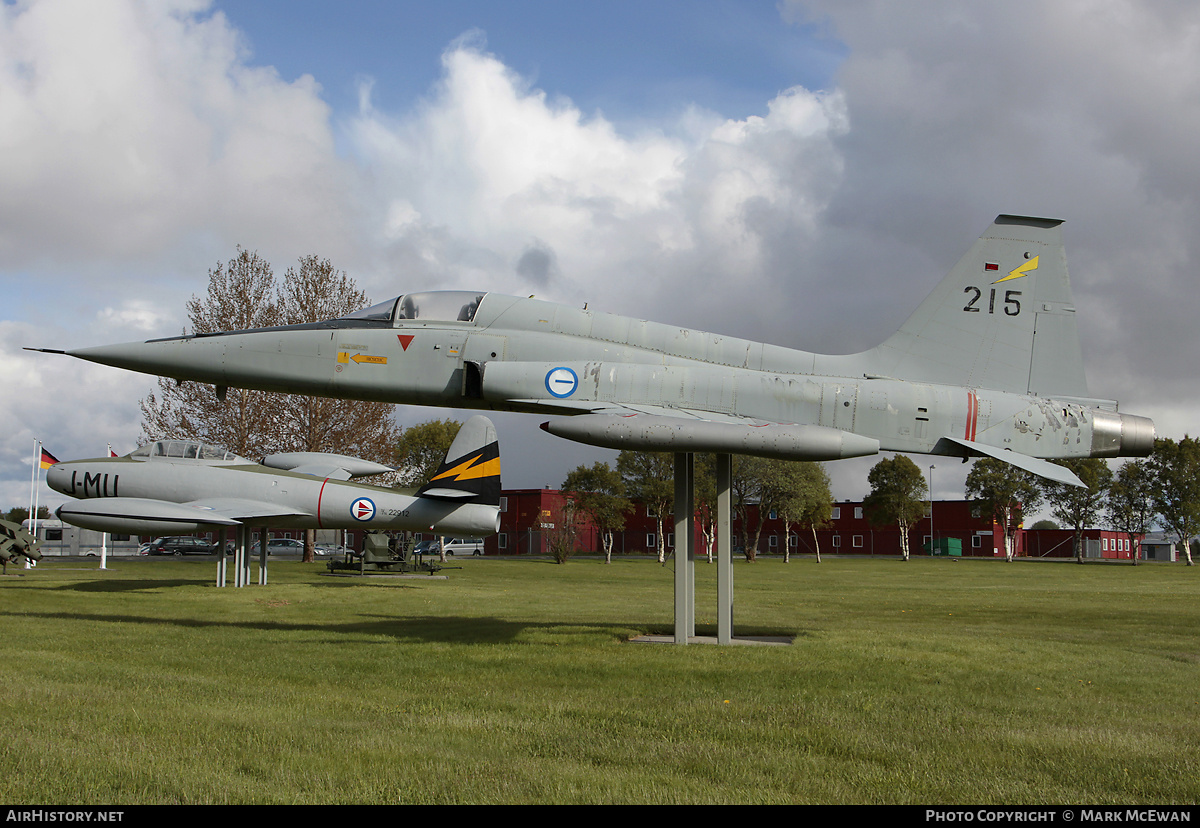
(174, 486)
(988, 365)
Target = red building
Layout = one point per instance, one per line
(530, 519)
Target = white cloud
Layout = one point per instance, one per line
(132, 127)
(488, 169)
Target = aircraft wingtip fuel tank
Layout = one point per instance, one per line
(989, 364)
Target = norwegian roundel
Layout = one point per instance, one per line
(362, 509)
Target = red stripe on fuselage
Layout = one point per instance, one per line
(972, 415)
(319, 494)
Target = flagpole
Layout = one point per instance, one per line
(104, 536)
(37, 464)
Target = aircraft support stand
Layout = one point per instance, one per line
(239, 552)
(724, 549)
(262, 556)
(685, 539)
(221, 539)
(685, 581)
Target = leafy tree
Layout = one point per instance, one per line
(1044, 524)
(20, 513)
(599, 493)
(1079, 507)
(806, 500)
(561, 539)
(649, 478)
(897, 496)
(705, 491)
(1006, 492)
(757, 480)
(243, 294)
(420, 450)
(1131, 502)
(1175, 471)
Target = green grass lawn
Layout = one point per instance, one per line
(513, 681)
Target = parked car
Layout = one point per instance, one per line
(454, 546)
(281, 546)
(182, 545)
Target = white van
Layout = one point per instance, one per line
(464, 546)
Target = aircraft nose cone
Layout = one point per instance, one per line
(57, 478)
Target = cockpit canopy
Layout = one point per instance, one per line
(185, 449)
(431, 306)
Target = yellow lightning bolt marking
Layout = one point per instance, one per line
(467, 470)
(1023, 270)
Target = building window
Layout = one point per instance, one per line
(858, 513)
(504, 504)
(772, 542)
(771, 515)
(793, 541)
(857, 541)
(977, 541)
(836, 541)
(651, 541)
(837, 512)
(502, 540)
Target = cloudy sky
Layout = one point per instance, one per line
(800, 172)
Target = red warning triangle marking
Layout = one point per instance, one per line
(405, 340)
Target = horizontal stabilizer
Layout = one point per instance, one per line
(654, 432)
(1033, 465)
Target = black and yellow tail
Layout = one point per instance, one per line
(471, 471)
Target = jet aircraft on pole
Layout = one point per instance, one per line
(989, 365)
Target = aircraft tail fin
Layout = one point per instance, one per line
(1002, 319)
(470, 473)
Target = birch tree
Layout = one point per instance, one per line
(649, 479)
(599, 493)
(1131, 503)
(1006, 492)
(807, 501)
(1175, 470)
(1079, 507)
(897, 496)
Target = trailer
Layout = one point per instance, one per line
(58, 539)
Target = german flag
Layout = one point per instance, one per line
(48, 459)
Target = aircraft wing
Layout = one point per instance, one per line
(654, 428)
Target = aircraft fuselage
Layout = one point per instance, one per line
(139, 495)
(534, 356)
